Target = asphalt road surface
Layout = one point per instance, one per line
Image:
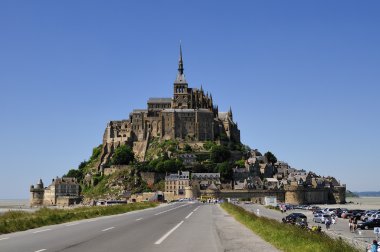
(174, 227)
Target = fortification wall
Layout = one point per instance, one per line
(151, 177)
(338, 195)
(115, 168)
(294, 196)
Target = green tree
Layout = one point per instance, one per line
(219, 154)
(225, 170)
(198, 168)
(82, 165)
(208, 145)
(73, 173)
(270, 157)
(187, 148)
(171, 165)
(240, 163)
(123, 155)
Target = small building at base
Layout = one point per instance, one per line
(270, 201)
(63, 191)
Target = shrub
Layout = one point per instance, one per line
(123, 155)
(208, 145)
(187, 148)
(219, 154)
(18, 221)
(96, 152)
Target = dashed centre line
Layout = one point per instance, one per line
(40, 250)
(40, 231)
(108, 229)
(72, 224)
(139, 219)
(169, 210)
(167, 234)
(5, 238)
(189, 215)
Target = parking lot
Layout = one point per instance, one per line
(340, 229)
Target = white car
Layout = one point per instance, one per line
(321, 218)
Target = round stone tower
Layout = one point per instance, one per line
(189, 192)
(37, 194)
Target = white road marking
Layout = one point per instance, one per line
(167, 234)
(40, 231)
(139, 219)
(5, 238)
(169, 210)
(72, 224)
(40, 250)
(107, 229)
(189, 215)
(92, 220)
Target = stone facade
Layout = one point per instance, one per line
(189, 115)
(176, 183)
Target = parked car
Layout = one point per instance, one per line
(339, 211)
(291, 218)
(330, 211)
(318, 212)
(314, 208)
(373, 216)
(369, 224)
(353, 213)
(366, 215)
(321, 218)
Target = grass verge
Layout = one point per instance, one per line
(287, 237)
(14, 221)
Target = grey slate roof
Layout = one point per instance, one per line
(160, 100)
(187, 110)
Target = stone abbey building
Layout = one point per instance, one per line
(190, 114)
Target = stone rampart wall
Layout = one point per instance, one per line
(296, 196)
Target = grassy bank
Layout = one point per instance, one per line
(18, 221)
(287, 237)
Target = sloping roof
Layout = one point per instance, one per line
(180, 79)
(214, 175)
(272, 180)
(139, 110)
(212, 187)
(222, 115)
(187, 110)
(160, 100)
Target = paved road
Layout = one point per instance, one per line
(340, 229)
(174, 227)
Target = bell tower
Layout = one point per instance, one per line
(181, 95)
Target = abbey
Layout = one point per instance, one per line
(190, 114)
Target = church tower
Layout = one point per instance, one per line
(181, 94)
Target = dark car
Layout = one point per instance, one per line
(291, 218)
(339, 211)
(369, 224)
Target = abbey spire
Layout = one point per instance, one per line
(180, 62)
(180, 75)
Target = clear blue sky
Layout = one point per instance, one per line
(302, 78)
